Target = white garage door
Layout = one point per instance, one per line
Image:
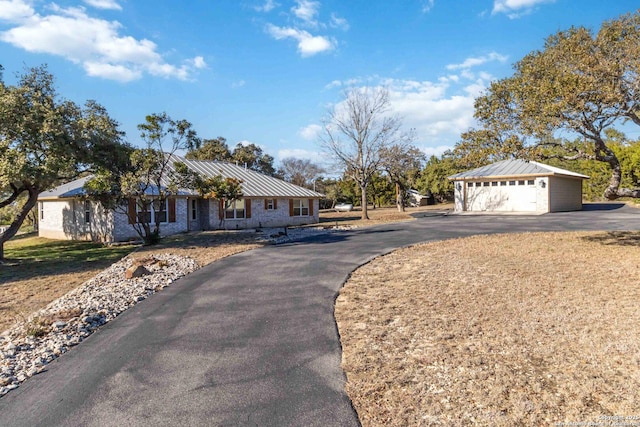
(501, 196)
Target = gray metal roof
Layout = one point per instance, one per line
(514, 168)
(254, 184)
(68, 190)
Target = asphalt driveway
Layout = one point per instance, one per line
(249, 340)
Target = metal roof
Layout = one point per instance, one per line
(68, 190)
(254, 184)
(514, 168)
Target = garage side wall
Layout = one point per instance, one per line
(542, 194)
(565, 194)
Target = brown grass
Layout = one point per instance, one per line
(510, 330)
(378, 215)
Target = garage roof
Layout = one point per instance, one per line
(514, 168)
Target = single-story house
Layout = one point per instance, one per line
(517, 186)
(65, 212)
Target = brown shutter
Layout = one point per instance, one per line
(290, 207)
(275, 204)
(310, 207)
(172, 210)
(220, 209)
(131, 211)
(266, 202)
(247, 208)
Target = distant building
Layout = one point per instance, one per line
(518, 186)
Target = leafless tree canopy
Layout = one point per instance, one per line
(356, 132)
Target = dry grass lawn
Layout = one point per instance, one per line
(506, 330)
(378, 215)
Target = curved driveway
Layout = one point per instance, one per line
(249, 340)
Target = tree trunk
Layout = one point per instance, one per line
(17, 222)
(399, 201)
(365, 214)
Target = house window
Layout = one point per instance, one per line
(270, 205)
(154, 211)
(478, 184)
(485, 184)
(503, 183)
(531, 182)
(300, 207)
(521, 182)
(235, 210)
(512, 183)
(494, 183)
(194, 209)
(469, 184)
(87, 212)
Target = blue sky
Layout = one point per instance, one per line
(267, 71)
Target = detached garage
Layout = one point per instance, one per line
(518, 186)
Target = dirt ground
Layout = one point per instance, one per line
(506, 330)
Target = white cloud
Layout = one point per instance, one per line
(239, 83)
(95, 44)
(308, 44)
(306, 10)
(111, 72)
(427, 5)
(311, 132)
(337, 22)
(439, 111)
(298, 153)
(516, 8)
(268, 6)
(475, 61)
(435, 151)
(198, 62)
(15, 10)
(104, 4)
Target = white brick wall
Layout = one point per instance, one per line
(125, 231)
(262, 218)
(65, 219)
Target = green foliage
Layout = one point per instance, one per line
(249, 155)
(46, 141)
(581, 83)
(211, 149)
(433, 178)
(402, 164)
(253, 158)
(143, 175)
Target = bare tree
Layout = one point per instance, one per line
(356, 132)
(302, 172)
